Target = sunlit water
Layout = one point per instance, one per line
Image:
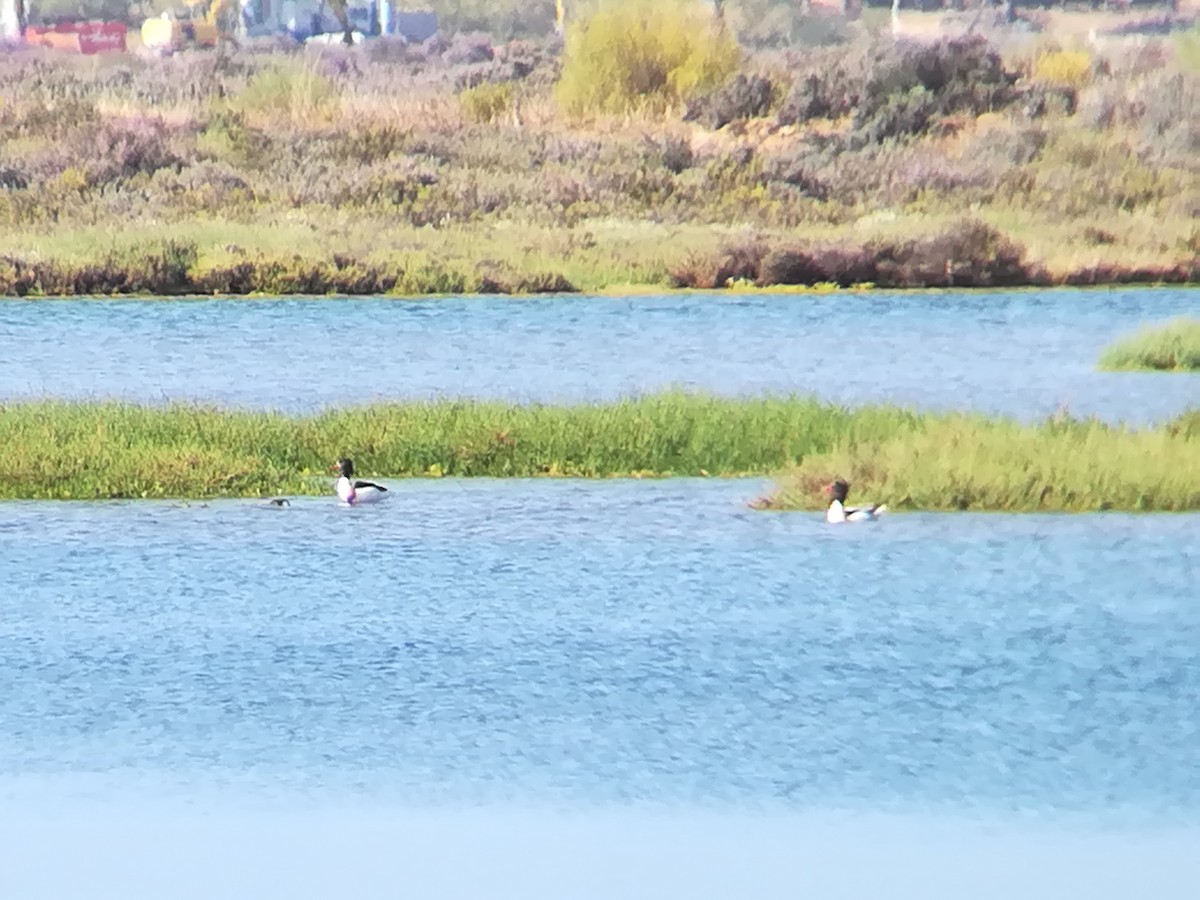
(518, 683)
(1022, 353)
(556, 689)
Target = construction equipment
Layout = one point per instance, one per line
(209, 22)
(76, 36)
(79, 37)
(203, 25)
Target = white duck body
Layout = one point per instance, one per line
(838, 512)
(352, 492)
(358, 492)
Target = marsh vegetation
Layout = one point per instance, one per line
(1172, 346)
(963, 462)
(820, 153)
(80, 450)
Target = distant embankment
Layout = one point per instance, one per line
(967, 254)
(96, 450)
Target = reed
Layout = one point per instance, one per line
(90, 450)
(1172, 346)
(961, 462)
(56, 449)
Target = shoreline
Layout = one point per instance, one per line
(264, 277)
(636, 290)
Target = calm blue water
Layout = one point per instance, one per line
(558, 689)
(567, 689)
(588, 644)
(1023, 353)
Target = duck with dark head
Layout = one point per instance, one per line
(838, 511)
(354, 492)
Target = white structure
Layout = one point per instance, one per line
(11, 14)
(303, 19)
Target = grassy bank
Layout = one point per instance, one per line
(477, 163)
(968, 462)
(86, 450)
(106, 450)
(1173, 346)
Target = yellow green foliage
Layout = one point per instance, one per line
(629, 55)
(486, 102)
(1187, 48)
(1173, 346)
(954, 462)
(1068, 68)
(62, 449)
(295, 92)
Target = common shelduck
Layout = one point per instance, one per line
(839, 512)
(355, 492)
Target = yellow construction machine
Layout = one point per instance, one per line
(208, 22)
(203, 25)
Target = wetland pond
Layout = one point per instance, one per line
(1024, 353)
(556, 688)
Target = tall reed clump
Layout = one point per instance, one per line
(630, 55)
(960, 462)
(1172, 346)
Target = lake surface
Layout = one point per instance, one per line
(563, 689)
(522, 682)
(1022, 353)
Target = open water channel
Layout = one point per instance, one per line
(558, 688)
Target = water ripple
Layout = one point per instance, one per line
(558, 641)
(1021, 353)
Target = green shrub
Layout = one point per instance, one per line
(158, 267)
(227, 137)
(745, 97)
(627, 56)
(909, 86)
(486, 102)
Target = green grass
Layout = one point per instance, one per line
(86, 450)
(1172, 346)
(959, 462)
(96, 450)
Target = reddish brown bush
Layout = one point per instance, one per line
(818, 264)
(968, 254)
(733, 262)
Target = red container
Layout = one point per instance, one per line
(80, 37)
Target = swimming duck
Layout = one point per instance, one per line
(355, 492)
(839, 512)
